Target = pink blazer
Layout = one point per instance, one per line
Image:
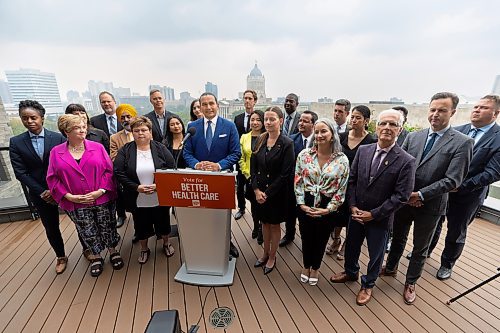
(94, 171)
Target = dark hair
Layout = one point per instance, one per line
(30, 104)
(402, 109)
(170, 135)
(77, 107)
(294, 96)
(254, 94)
(314, 115)
(209, 94)
(106, 92)
(261, 117)
(154, 91)
(344, 102)
(192, 116)
(495, 99)
(364, 110)
(276, 110)
(442, 95)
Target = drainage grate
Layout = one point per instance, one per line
(221, 317)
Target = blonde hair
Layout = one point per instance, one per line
(67, 122)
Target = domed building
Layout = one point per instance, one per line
(257, 82)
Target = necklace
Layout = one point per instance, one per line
(76, 149)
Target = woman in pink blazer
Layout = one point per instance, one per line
(80, 179)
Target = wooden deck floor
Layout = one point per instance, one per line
(34, 299)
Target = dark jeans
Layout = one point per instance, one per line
(49, 214)
(240, 190)
(120, 203)
(376, 239)
(315, 233)
(423, 230)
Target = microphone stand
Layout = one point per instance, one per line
(474, 288)
(181, 148)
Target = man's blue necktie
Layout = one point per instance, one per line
(429, 145)
(209, 134)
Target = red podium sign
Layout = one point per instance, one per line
(181, 188)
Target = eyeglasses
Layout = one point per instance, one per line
(385, 123)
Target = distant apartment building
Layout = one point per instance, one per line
(5, 92)
(212, 88)
(186, 98)
(167, 92)
(73, 96)
(34, 84)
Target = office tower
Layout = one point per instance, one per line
(212, 88)
(34, 84)
(167, 92)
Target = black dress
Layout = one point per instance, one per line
(271, 171)
(343, 213)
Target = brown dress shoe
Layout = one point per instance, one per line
(409, 294)
(343, 277)
(61, 264)
(386, 272)
(364, 296)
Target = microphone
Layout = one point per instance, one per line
(191, 131)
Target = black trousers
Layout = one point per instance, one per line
(423, 230)
(315, 233)
(150, 221)
(461, 212)
(240, 190)
(49, 214)
(120, 203)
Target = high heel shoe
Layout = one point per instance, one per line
(268, 270)
(260, 263)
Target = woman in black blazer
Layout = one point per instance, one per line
(134, 166)
(271, 172)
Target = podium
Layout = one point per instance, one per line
(203, 202)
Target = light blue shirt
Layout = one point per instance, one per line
(480, 131)
(38, 142)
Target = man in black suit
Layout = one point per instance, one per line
(242, 122)
(158, 116)
(292, 115)
(484, 170)
(107, 121)
(303, 139)
(29, 155)
(381, 181)
(404, 132)
(341, 113)
(110, 124)
(442, 156)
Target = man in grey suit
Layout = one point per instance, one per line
(442, 157)
(292, 116)
(381, 181)
(484, 170)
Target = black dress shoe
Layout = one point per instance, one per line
(135, 239)
(120, 221)
(268, 270)
(443, 273)
(285, 241)
(260, 263)
(233, 251)
(239, 214)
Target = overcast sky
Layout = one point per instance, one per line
(358, 49)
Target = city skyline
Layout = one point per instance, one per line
(359, 50)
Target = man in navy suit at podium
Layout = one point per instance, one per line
(216, 145)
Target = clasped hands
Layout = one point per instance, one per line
(361, 216)
(313, 211)
(260, 196)
(147, 189)
(415, 200)
(88, 198)
(207, 166)
(47, 197)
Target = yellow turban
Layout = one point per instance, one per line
(125, 108)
